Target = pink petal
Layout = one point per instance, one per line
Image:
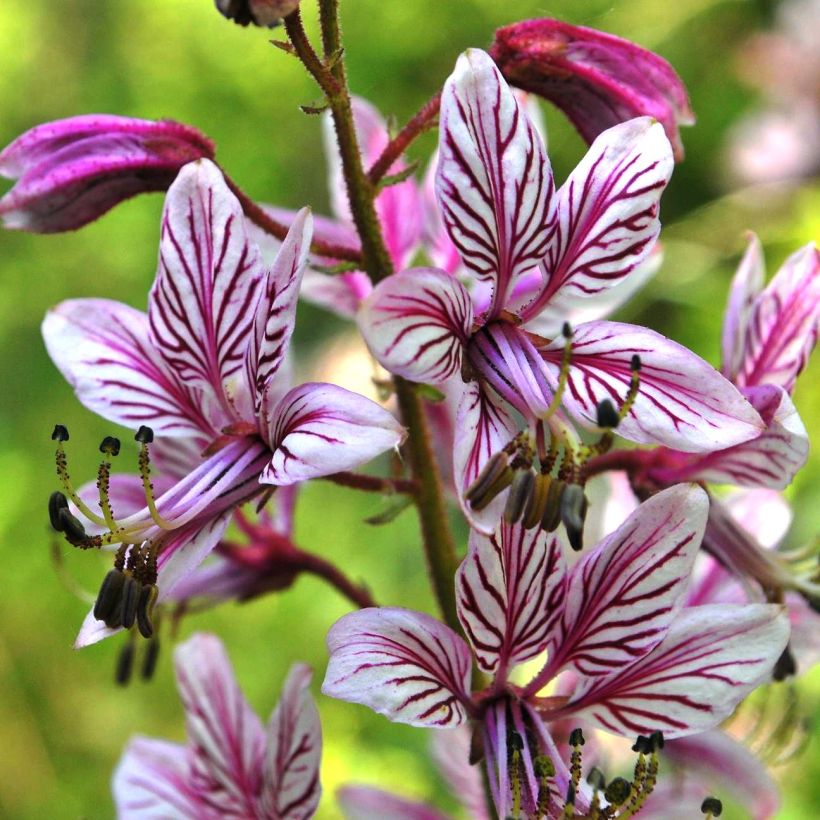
(683, 402)
(226, 737)
(483, 427)
(416, 322)
(607, 212)
(450, 749)
(104, 350)
(152, 780)
(318, 429)
(622, 596)
(402, 664)
(712, 657)
(366, 803)
(291, 788)
(764, 514)
(783, 324)
(494, 181)
(340, 293)
(509, 592)
(202, 304)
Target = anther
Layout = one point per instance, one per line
(57, 502)
(596, 778)
(520, 493)
(552, 509)
(71, 526)
(712, 807)
(145, 610)
(108, 605)
(617, 791)
(643, 745)
(110, 446)
(149, 661)
(60, 433)
(516, 742)
(657, 740)
(786, 666)
(635, 363)
(570, 800)
(494, 477)
(145, 435)
(566, 330)
(576, 737)
(537, 503)
(573, 513)
(606, 415)
(543, 767)
(125, 663)
(130, 599)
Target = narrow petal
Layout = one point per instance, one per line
(483, 427)
(201, 306)
(152, 782)
(402, 664)
(416, 322)
(607, 212)
(770, 459)
(226, 737)
(450, 749)
(682, 402)
(622, 597)
(318, 429)
(291, 788)
(509, 592)
(783, 324)
(712, 657)
(276, 310)
(746, 285)
(494, 181)
(104, 350)
(365, 803)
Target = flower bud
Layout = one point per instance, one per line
(596, 79)
(70, 172)
(259, 12)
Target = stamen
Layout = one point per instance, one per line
(569, 802)
(125, 663)
(786, 666)
(538, 500)
(60, 435)
(57, 502)
(149, 661)
(73, 529)
(596, 779)
(573, 510)
(108, 605)
(618, 790)
(606, 415)
(145, 609)
(563, 376)
(110, 446)
(520, 494)
(576, 740)
(145, 435)
(634, 385)
(711, 807)
(516, 745)
(130, 599)
(495, 476)
(552, 509)
(544, 769)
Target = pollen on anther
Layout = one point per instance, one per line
(60, 433)
(110, 446)
(145, 435)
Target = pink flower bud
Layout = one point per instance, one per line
(70, 172)
(259, 12)
(596, 79)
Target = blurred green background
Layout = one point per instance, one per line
(63, 722)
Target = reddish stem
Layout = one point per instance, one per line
(373, 484)
(633, 462)
(356, 593)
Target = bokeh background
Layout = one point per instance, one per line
(63, 722)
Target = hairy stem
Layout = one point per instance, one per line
(357, 593)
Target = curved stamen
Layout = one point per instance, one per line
(60, 435)
(145, 435)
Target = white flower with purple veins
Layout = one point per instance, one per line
(638, 662)
(231, 766)
(202, 366)
(543, 251)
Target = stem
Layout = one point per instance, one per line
(270, 225)
(423, 119)
(373, 484)
(633, 462)
(356, 593)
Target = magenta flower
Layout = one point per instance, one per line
(231, 765)
(543, 251)
(202, 367)
(596, 79)
(70, 172)
(637, 661)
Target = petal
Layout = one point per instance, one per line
(770, 459)
(712, 657)
(622, 596)
(152, 780)
(483, 427)
(607, 212)
(783, 323)
(276, 310)
(509, 591)
(764, 514)
(682, 401)
(494, 181)
(365, 803)
(416, 322)
(746, 286)
(202, 305)
(340, 293)
(402, 664)
(103, 349)
(450, 749)
(291, 788)
(317, 429)
(226, 737)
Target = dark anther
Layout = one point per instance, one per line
(552, 509)
(713, 806)
(570, 801)
(57, 502)
(110, 446)
(607, 415)
(566, 330)
(71, 526)
(617, 791)
(493, 479)
(516, 742)
(145, 435)
(60, 433)
(657, 741)
(576, 738)
(786, 666)
(543, 767)
(635, 364)
(596, 778)
(125, 663)
(145, 609)
(109, 599)
(537, 503)
(519, 497)
(643, 745)
(130, 599)
(149, 661)
(573, 513)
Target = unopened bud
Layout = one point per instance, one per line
(265, 13)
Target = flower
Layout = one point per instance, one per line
(231, 765)
(70, 172)
(266, 13)
(542, 252)
(202, 367)
(595, 78)
(635, 659)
